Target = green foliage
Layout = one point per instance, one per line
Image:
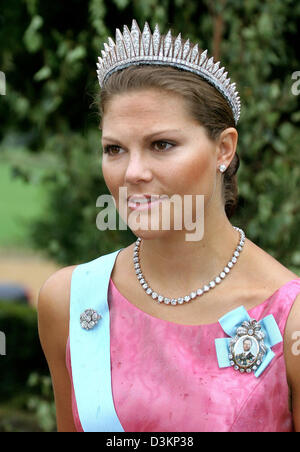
(41, 402)
(31, 411)
(26, 395)
(24, 354)
(50, 67)
(21, 204)
(71, 209)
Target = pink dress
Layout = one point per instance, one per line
(165, 376)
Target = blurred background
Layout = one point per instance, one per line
(50, 169)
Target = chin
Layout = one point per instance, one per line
(145, 234)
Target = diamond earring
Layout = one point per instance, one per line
(222, 168)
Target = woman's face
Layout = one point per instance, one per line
(155, 147)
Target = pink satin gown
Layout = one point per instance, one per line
(165, 376)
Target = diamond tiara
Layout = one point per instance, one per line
(136, 48)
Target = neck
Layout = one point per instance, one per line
(172, 262)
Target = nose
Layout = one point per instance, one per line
(138, 169)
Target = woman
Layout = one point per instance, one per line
(131, 344)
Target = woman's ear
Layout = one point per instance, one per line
(227, 146)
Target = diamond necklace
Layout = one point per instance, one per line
(192, 295)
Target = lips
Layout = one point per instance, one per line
(142, 202)
(144, 198)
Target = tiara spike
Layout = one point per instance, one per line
(121, 53)
(168, 44)
(177, 46)
(151, 49)
(226, 83)
(156, 40)
(215, 67)
(232, 88)
(161, 48)
(203, 57)
(186, 50)
(128, 42)
(146, 38)
(135, 26)
(194, 54)
(111, 43)
(220, 72)
(209, 63)
(134, 47)
(113, 55)
(223, 78)
(135, 35)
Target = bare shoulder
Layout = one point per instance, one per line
(292, 332)
(277, 275)
(53, 308)
(53, 324)
(292, 358)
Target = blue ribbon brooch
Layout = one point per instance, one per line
(249, 346)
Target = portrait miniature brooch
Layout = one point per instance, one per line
(248, 349)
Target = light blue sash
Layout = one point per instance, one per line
(90, 349)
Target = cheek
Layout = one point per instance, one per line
(114, 181)
(111, 178)
(194, 175)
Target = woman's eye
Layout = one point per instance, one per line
(163, 147)
(110, 148)
(107, 149)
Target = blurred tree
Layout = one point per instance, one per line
(48, 51)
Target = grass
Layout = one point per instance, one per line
(20, 203)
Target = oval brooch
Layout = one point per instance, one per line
(249, 345)
(89, 318)
(247, 348)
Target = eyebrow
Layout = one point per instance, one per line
(151, 135)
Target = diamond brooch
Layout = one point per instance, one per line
(247, 348)
(89, 319)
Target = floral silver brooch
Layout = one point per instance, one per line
(249, 346)
(89, 319)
